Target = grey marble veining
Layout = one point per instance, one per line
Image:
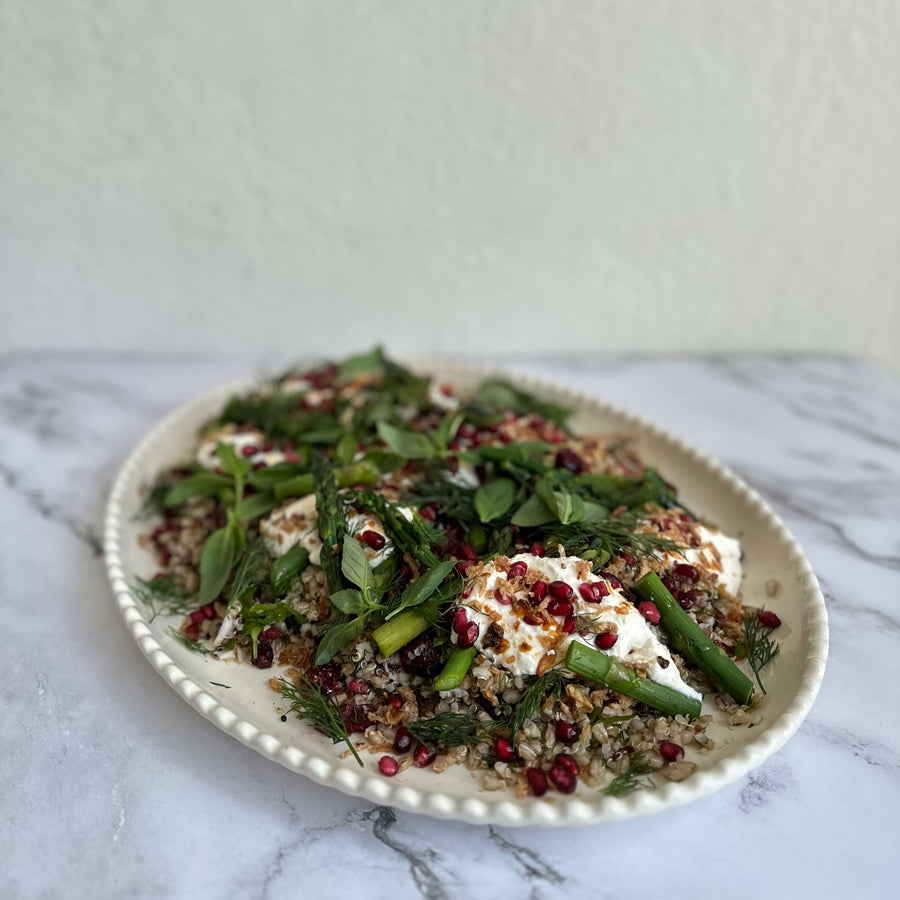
(112, 787)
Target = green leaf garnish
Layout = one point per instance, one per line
(423, 587)
(494, 499)
(758, 645)
(408, 444)
(203, 484)
(220, 552)
(286, 568)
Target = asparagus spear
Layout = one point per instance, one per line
(689, 640)
(454, 669)
(332, 520)
(599, 666)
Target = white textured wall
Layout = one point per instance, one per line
(712, 175)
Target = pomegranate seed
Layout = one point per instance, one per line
(272, 633)
(197, 617)
(686, 599)
(768, 619)
(396, 701)
(537, 781)
(249, 450)
(669, 584)
(327, 677)
(562, 608)
(373, 539)
(192, 629)
(358, 686)
(467, 592)
(264, 655)
(402, 740)
(209, 611)
(463, 566)
(388, 766)
(560, 590)
(612, 582)
(536, 549)
(629, 559)
(460, 621)
(531, 619)
(590, 592)
(423, 756)
(606, 641)
(568, 763)
(539, 589)
(566, 732)
(466, 430)
(565, 782)
(729, 650)
(517, 570)
(428, 513)
(670, 751)
(469, 636)
(649, 611)
(501, 598)
(467, 551)
(568, 625)
(569, 459)
(686, 572)
(504, 750)
(291, 456)
(355, 718)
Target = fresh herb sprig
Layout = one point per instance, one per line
(533, 698)
(163, 596)
(323, 711)
(634, 779)
(758, 645)
(609, 537)
(452, 729)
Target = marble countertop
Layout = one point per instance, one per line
(112, 786)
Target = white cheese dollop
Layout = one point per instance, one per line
(238, 439)
(296, 522)
(444, 401)
(718, 554)
(523, 646)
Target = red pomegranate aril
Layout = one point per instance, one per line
(467, 592)
(539, 589)
(560, 590)
(686, 599)
(467, 551)
(388, 766)
(649, 611)
(568, 763)
(193, 629)
(481, 437)
(501, 598)
(469, 636)
(537, 549)
(463, 566)
(264, 655)
(197, 617)
(590, 592)
(249, 450)
(517, 570)
(423, 756)
(669, 584)
(396, 701)
(562, 608)
(428, 513)
(570, 460)
(537, 781)
(629, 559)
(612, 582)
(460, 621)
(402, 740)
(504, 750)
(272, 633)
(768, 619)
(568, 626)
(373, 539)
(686, 572)
(358, 686)
(531, 619)
(606, 641)
(466, 430)
(564, 781)
(566, 732)
(670, 751)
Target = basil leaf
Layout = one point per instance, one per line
(570, 507)
(495, 498)
(258, 616)
(348, 601)
(325, 435)
(373, 361)
(287, 567)
(236, 468)
(423, 587)
(254, 506)
(338, 636)
(545, 491)
(408, 444)
(346, 449)
(383, 461)
(446, 431)
(267, 478)
(220, 552)
(203, 484)
(355, 566)
(532, 512)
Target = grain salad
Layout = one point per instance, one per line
(439, 579)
